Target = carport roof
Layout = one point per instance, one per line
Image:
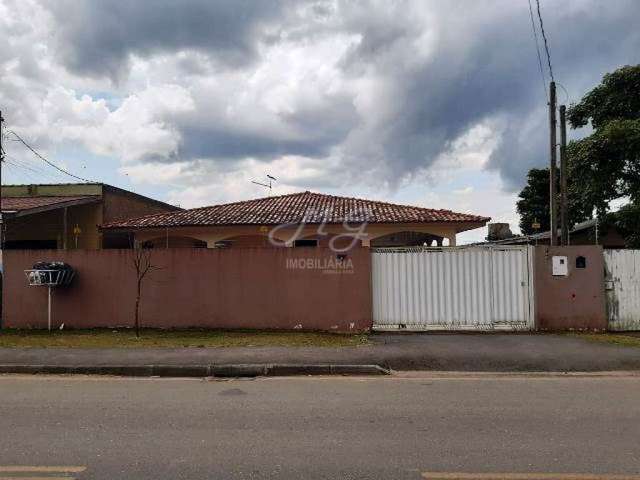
(296, 208)
(28, 205)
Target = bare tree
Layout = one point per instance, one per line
(143, 265)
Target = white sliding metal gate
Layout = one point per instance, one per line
(460, 288)
(622, 286)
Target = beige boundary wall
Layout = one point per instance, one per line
(302, 288)
(267, 288)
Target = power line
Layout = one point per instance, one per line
(11, 163)
(15, 162)
(26, 172)
(566, 93)
(25, 165)
(51, 164)
(535, 38)
(546, 44)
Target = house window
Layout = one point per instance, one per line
(305, 243)
(581, 262)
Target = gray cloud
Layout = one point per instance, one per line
(319, 128)
(96, 37)
(485, 67)
(442, 67)
(587, 40)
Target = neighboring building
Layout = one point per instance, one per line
(68, 215)
(584, 233)
(299, 219)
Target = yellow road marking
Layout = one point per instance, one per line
(525, 476)
(41, 469)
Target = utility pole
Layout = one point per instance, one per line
(1, 162)
(564, 206)
(1, 150)
(553, 211)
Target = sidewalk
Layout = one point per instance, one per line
(435, 352)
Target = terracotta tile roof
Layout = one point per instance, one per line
(18, 204)
(296, 208)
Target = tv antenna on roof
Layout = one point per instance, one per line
(267, 185)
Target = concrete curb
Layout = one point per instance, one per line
(221, 371)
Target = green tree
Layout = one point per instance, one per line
(605, 165)
(602, 166)
(533, 203)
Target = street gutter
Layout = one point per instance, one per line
(220, 371)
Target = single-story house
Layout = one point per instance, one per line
(65, 216)
(299, 220)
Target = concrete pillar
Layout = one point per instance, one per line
(452, 240)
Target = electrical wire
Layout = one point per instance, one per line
(25, 165)
(14, 161)
(546, 44)
(34, 173)
(24, 171)
(535, 38)
(566, 93)
(51, 164)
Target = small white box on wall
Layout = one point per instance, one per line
(560, 266)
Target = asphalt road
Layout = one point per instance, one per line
(338, 428)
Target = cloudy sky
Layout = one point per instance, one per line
(433, 103)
